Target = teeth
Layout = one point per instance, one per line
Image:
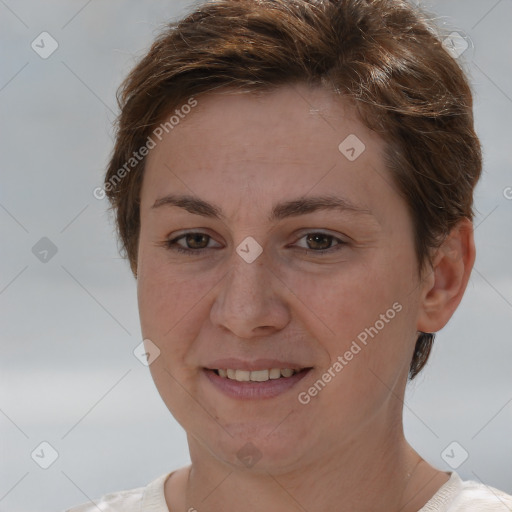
(242, 375)
(275, 373)
(257, 375)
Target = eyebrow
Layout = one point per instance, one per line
(282, 210)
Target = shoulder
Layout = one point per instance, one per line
(459, 495)
(475, 496)
(130, 500)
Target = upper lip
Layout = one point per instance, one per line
(254, 365)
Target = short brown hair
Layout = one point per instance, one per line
(383, 55)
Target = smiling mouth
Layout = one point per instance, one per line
(257, 375)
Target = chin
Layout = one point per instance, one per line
(259, 447)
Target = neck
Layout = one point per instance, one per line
(372, 471)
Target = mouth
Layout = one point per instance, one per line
(257, 375)
(254, 384)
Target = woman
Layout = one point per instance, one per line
(293, 186)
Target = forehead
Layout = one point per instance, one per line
(293, 139)
(284, 115)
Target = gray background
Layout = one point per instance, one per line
(69, 326)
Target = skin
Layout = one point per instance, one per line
(345, 450)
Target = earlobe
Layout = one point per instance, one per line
(444, 287)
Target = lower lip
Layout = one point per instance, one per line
(254, 390)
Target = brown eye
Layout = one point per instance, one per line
(196, 240)
(192, 243)
(321, 243)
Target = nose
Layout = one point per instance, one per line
(251, 301)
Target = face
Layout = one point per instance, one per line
(293, 250)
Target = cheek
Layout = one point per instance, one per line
(168, 307)
(164, 302)
(339, 304)
(368, 357)
(163, 293)
(172, 307)
(364, 314)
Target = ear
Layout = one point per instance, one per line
(445, 283)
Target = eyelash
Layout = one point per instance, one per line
(172, 245)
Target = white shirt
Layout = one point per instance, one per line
(455, 495)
